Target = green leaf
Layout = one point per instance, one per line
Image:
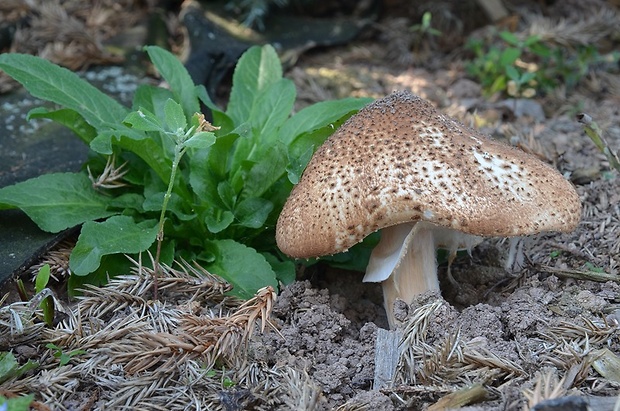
(257, 69)
(513, 74)
(9, 367)
(265, 172)
(146, 148)
(43, 277)
(144, 120)
(21, 403)
(57, 201)
(175, 118)
(127, 201)
(218, 220)
(115, 135)
(284, 270)
(252, 212)
(68, 118)
(271, 110)
(526, 77)
(319, 115)
(220, 118)
(509, 38)
(208, 167)
(111, 266)
(531, 40)
(48, 81)
(118, 234)
(201, 140)
(540, 49)
(509, 56)
(152, 99)
(227, 194)
(297, 165)
(173, 71)
(499, 84)
(241, 266)
(154, 202)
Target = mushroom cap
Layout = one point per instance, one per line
(400, 160)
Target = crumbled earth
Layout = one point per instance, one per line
(535, 324)
(546, 328)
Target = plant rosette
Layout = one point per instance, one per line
(160, 173)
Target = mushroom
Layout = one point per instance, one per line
(427, 182)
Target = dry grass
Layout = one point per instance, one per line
(547, 387)
(449, 364)
(450, 360)
(582, 30)
(70, 33)
(189, 348)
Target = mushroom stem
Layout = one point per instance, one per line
(516, 258)
(405, 263)
(405, 260)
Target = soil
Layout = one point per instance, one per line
(511, 338)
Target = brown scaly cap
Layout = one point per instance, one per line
(400, 160)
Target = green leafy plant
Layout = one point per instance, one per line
(526, 67)
(164, 180)
(501, 68)
(63, 357)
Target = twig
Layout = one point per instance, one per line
(600, 277)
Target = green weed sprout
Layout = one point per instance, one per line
(527, 67)
(47, 305)
(63, 357)
(424, 30)
(592, 129)
(184, 189)
(44, 296)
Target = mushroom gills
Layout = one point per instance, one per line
(405, 260)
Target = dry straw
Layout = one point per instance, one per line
(129, 352)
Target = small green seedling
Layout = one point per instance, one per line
(425, 28)
(588, 266)
(63, 357)
(592, 129)
(555, 254)
(47, 305)
(225, 381)
(529, 66)
(424, 31)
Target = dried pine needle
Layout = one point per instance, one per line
(547, 387)
(465, 396)
(143, 350)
